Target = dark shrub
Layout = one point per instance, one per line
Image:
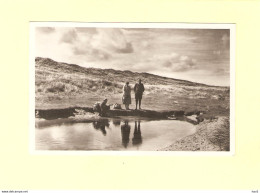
(56, 87)
(106, 83)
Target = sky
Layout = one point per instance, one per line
(198, 55)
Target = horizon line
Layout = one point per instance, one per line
(133, 72)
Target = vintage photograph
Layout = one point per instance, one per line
(132, 87)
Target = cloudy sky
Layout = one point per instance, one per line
(199, 55)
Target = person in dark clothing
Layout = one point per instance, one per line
(138, 89)
(137, 139)
(125, 132)
(104, 108)
(101, 108)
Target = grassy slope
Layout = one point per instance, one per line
(60, 85)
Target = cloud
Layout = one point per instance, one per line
(87, 30)
(112, 40)
(91, 54)
(145, 44)
(96, 44)
(69, 36)
(226, 40)
(80, 41)
(175, 62)
(128, 48)
(220, 71)
(45, 29)
(167, 52)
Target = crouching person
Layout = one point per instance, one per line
(101, 108)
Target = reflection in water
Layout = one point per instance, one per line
(100, 125)
(137, 139)
(125, 132)
(116, 122)
(109, 135)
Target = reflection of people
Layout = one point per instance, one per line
(100, 125)
(137, 139)
(126, 99)
(139, 89)
(125, 132)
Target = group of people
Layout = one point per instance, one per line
(103, 107)
(138, 90)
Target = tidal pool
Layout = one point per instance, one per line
(110, 134)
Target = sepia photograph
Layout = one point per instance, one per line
(160, 87)
(142, 96)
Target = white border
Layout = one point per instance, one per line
(232, 87)
(33, 25)
(32, 89)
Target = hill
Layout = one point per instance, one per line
(59, 85)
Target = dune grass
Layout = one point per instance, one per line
(60, 85)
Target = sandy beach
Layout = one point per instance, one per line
(211, 135)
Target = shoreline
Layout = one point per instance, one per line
(210, 135)
(49, 114)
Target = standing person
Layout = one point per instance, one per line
(139, 89)
(126, 99)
